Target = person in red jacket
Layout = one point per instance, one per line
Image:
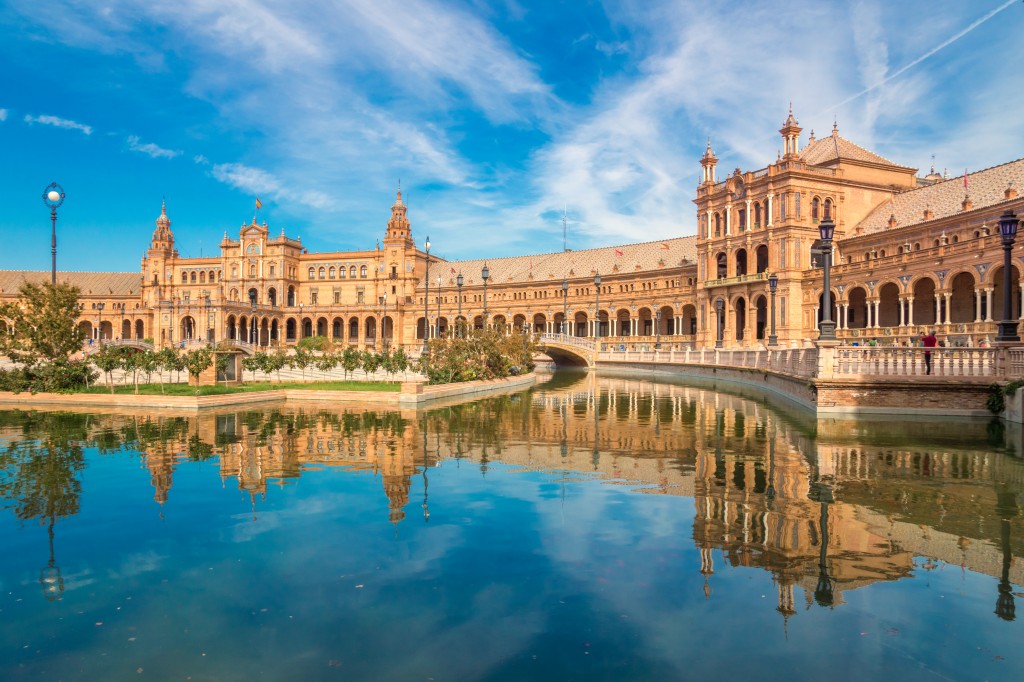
(928, 341)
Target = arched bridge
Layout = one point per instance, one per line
(91, 348)
(568, 350)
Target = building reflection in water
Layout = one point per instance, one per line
(825, 506)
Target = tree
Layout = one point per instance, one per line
(108, 358)
(44, 323)
(399, 361)
(148, 361)
(254, 362)
(276, 361)
(371, 361)
(301, 359)
(350, 360)
(326, 362)
(171, 360)
(198, 361)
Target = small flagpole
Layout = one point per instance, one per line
(565, 247)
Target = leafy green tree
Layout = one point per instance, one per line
(301, 359)
(108, 358)
(171, 360)
(350, 360)
(277, 361)
(198, 361)
(399, 361)
(371, 362)
(254, 363)
(314, 343)
(222, 362)
(148, 362)
(43, 323)
(326, 362)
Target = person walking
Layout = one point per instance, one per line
(928, 341)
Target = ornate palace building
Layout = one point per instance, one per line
(909, 252)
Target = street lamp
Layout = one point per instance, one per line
(426, 301)
(99, 321)
(565, 306)
(720, 310)
(459, 282)
(1008, 224)
(773, 285)
(657, 329)
(53, 196)
(597, 306)
(437, 320)
(252, 337)
(827, 328)
(485, 274)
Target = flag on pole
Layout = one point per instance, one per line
(664, 246)
(618, 253)
(965, 180)
(259, 204)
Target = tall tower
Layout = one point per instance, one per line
(708, 163)
(399, 232)
(155, 264)
(790, 132)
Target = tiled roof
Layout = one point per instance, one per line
(91, 283)
(985, 188)
(608, 261)
(832, 148)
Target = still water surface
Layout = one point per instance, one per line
(592, 528)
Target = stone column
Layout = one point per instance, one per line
(771, 206)
(939, 317)
(728, 219)
(910, 311)
(903, 312)
(844, 318)
(988, 304)
(1021, 315)
(949, 305)
(750, 218)
(878, 304)
(977, 305)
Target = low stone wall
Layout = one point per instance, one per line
(410, 395)
(793, 388)
(924, 396)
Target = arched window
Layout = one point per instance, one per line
(252, 270)
(341, 272)
(234, 271)
(202, 277)
(352, 272)
(332, 272)
(718, 224)
(184, 277)
(828, 209)
(323, 272)
(312, 272)
(815, 209)
(362, 271)
(212, 276)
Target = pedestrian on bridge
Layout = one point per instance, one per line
(928, 341)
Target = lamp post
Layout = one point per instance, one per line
(426, 299)
(827, 328)
(657, 329)
(99, 321)
(1008, 224)
(773, 285)
(252, 337)
(459, 282)
(53, 196)
(719, 324)
(565, 306)
(597, 306)
(824, 591)
(485, 274)
(437, 320)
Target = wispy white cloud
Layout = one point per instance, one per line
(257, 181)
(3, 114)
(201, 160)
(151, 149)
(59, 123)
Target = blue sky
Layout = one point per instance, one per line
(493, 114)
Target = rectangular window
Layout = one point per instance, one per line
(337, 296)
(797, 206)
(360, 295)
(271, 270)
(782, 254)
(313, 297)
(783, 198)
(782, 311)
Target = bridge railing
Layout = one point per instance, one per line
(889, 361)
(802, 362)
(567, 340)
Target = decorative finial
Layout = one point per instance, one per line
(835, 125)
(933, 165)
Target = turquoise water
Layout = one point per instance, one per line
(593, 528)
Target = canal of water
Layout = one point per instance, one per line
(596, 527)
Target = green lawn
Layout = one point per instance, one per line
(184, 389)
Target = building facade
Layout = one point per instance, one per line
(909, 253)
